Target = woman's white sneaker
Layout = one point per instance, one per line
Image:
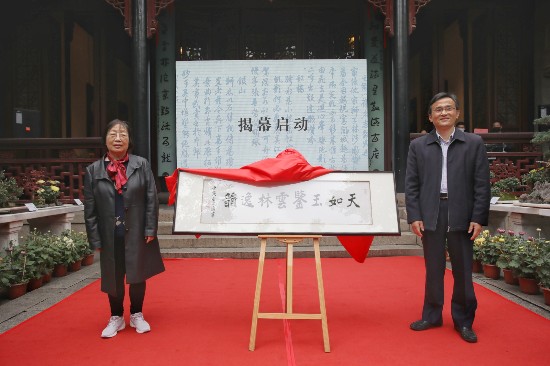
(137, 321)
(116, 324)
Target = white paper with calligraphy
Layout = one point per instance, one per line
(229, 113)
(335, 204)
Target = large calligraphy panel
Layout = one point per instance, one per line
(233, 113)
(333, 204)
(166, 94)
(375, 55)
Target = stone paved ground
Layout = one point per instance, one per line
(13, 312)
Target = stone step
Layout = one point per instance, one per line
(328, 251)
(212, 241)
(187, 246)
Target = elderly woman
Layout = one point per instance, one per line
(121, 215)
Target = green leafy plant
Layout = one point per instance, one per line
(479, 242)
(40, 253)
(80, 241)
(508, 258)
(47, 192)
(543, 271)
(67, 249)
(542, 138)
(505, 187)
(490, 250)
(541, 174)
(529, 257)
(13, 266)
(9, 190)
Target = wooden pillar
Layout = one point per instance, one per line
(140, 75)
(401, 92)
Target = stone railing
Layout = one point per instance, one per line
(53, 219)
(510, 154)
(509, 216)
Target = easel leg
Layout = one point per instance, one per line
(321, 294)
(289, 264)
(252, 344)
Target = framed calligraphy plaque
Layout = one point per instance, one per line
(339, 203)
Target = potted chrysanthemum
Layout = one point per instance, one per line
(47, 193)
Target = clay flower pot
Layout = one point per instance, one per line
(546, 293)
(75, 266)
(528, 286)
(47, 277)
(491, 271)
(17, 290)
(88, 260)
(59, 270)
(477, 267)
(509, 277)
(34, 283)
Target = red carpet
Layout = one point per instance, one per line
(200, 311)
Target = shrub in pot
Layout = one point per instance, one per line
(508, 258)
(40, 252)
(9, 190)
(543, 272)
(479, 242)
(529, 257)
(14, 273)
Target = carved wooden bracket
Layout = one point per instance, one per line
(153, 9)
(386, 8)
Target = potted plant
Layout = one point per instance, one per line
(80, 240)
(40, 255)
(543, 272)
(505, 188)
(529, 259)
(482, 238)
(9, 190)
(541, 174)
(72, 254)
(508, 259)
(47, 193)
(61, 257)
(13, 271)
(542, 138)
(489, 252)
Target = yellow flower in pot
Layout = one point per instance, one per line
(47, 193)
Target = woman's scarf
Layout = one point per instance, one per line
(117, 171)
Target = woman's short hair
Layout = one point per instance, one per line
(124, 124)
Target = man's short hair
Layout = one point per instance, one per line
(442, 95)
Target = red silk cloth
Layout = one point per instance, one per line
(288, 167)
(117, 171)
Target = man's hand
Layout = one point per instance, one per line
(418, 228)
(149, 239)
(475, 229)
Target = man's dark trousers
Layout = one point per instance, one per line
(460, 248)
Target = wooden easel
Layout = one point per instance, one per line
(289, 240)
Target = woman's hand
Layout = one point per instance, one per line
(149, 239)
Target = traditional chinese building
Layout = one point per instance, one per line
(68, 67)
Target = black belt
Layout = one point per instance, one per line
(443, 196)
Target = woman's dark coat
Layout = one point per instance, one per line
(141, 219)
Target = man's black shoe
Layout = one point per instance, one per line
(467, 334)
(423, 325)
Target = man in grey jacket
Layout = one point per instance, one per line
(447, 193)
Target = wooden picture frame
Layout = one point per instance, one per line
(339, 203)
